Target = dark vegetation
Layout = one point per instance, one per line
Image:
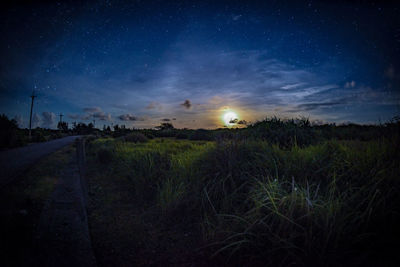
(12, 136)
(276, 193)
(285, 133)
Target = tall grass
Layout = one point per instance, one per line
(333, 203)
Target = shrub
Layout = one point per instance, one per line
(165, 133)
(10, 135)
(149, 135)
(181, 136)
(136, 138)
(201, 134)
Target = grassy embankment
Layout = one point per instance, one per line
(21, 204)
(235, 201)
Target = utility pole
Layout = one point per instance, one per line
(61, 115)
(59, 126)
(30, 116)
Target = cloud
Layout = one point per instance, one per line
(48, 119)
(255, 81)
(292, 86)
(92, 110)
(129, 117)
(74, 116)
(237, 121)
(250, 79)
(317, 122)
(102, 116)
(154, 105)
(95, 113)
(86, 117)
(314, 106)
(35, 120)
(187, 104)
(20, 120)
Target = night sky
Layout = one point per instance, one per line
(189, 62)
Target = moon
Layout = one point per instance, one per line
(229, 117)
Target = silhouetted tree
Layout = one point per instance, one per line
(165, 126)
(9, 134)
(7, 124)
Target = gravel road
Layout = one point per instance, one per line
(14, 162)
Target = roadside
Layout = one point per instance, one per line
(62, 238)
(15, 161)
(21, 204)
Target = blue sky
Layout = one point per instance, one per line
(189, 62)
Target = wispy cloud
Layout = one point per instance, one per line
(35, 120)
(102, 116)
(314, 106)
(96, 113)
(74, 116)
(92, 110)
(20, 120)
(154, 105)
(253, 82)
(129, 117)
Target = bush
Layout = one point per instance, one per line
(201, 134)
(136, 138)
(9, 136)
(165, 133)
(182, 136)
(149, 135)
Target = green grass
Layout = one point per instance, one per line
(133, 195)
(245, 200)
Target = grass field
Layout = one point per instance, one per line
(239, 201)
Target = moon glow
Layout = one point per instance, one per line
(230, 118)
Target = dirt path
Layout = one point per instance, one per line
(15, 161)
(63, 236)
